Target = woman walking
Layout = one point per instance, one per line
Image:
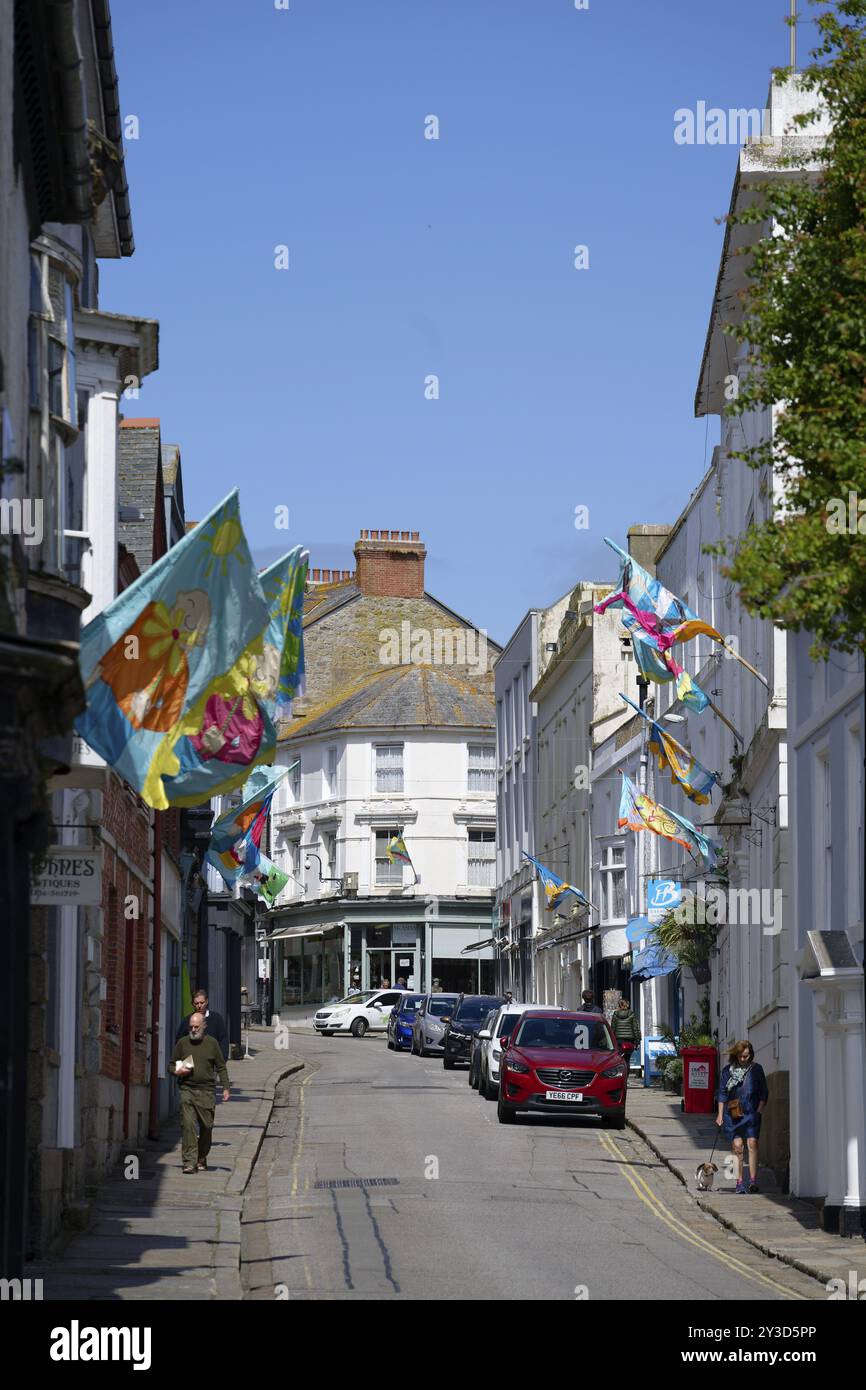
(625, 1029)
(742, 1096)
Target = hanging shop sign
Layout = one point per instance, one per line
(68, 876)
(662, 895)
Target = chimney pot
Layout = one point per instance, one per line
(416, 535)
(317, 574)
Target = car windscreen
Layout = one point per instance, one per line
(507, 1025)
(358, 998)
(563, 1032)
(439, 1008)
(473, 1010)
(409, 1003)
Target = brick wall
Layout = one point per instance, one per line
(126, 939)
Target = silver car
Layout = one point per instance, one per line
(490, 1038)
(429, 1026)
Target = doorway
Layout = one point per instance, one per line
(403, 967)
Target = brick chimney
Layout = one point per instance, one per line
(390, 564)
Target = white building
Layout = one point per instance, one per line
(828, 1092)
(517, 913)
(395, 734)
(578, 705)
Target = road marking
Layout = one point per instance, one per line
(299, 1145)
(660, 1210)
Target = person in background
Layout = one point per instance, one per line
(216, 1026)
(509, 997)
(625, 1029)
(742, 1097)
(589, 1005)
(401, 983)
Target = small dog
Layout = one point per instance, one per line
(704, 1174)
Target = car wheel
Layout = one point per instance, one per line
(358, 1028)
(505, 1113)
(614, 1121)
(390, 1045)
(412, 1047)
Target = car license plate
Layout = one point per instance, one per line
(563, 1095)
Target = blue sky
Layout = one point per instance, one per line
(409, 257)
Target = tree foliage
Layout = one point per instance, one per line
(804, 322)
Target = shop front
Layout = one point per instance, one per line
(313, 961)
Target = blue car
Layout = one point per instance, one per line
(401, 1020)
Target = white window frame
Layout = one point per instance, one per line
(295, 781)
(331, 770)
(392, 872)
(481, 868)
(607, 870)
(384, 770)
(486, 764)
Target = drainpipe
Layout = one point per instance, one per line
(73, 113)
(153, 1128)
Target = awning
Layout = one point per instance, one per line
(285, 932)
(651, 962)
(479, 945)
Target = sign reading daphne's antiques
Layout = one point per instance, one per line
(68, 876)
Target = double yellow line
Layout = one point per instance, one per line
(296, 1160)
(679, 1229)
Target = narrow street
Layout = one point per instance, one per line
(540, 1209)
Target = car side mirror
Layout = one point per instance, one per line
(484, 1033)
(446, 1018)
(503, 1043)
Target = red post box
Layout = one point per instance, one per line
(699, 1080)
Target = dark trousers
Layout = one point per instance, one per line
(196, 1123)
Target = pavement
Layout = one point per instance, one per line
(166, 1235)
(785, 1227)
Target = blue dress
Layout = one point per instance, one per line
(750, 1092)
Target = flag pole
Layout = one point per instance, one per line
(725, 720)
(743, 662)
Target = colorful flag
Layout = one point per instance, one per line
(555, 887)
(166, 660)
(656, 619)
(693, 777)
(639, 812)
(283, 585)
(397, 850)
(247, 696)
(267, 879)
(236, 838)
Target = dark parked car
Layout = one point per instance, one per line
(563, 1061)
(401, 1020)
(476, 1048)
(468, 1017)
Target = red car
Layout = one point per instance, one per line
(562, 1061)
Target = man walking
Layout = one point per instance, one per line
(589, 1005)
(216, 1026)
(195, 1064)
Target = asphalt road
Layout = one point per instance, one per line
(383, 1176)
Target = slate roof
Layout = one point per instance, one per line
(402, 698)
(139, 484)
(325, 598)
